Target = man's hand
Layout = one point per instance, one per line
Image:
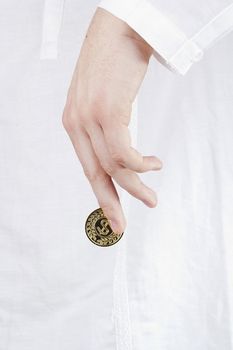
(112, 64)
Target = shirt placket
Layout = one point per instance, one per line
(121, 310)
(52, 20)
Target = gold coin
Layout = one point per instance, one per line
(99, 231)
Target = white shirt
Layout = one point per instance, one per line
(168, 283)
(179, 30)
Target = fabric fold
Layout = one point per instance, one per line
(173, 46)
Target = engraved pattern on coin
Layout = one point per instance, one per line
(99, 231)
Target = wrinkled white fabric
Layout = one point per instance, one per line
(179, 31)
(168, 283)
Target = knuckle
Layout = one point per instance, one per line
(66, 123)
(82, 119)
(67, 120)
(93, 175)
(109, 168)
(117, 156)
(134, 192)
(140, 167)
(89, 174)
(65, 116)
(137, 190)
(72, 120)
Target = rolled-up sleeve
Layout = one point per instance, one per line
(179, 31)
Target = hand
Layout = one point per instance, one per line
(112, 63)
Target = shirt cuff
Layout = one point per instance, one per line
(170, 44)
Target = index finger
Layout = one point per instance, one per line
(118, 140)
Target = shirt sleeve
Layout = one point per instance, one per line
(179, 31)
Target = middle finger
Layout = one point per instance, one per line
(126, 178)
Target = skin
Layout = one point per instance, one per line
(109, 71)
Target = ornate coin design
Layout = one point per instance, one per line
(99, 231)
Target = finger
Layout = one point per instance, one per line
(101, 183)
(132, 183)
(126, 178)
(118, 141)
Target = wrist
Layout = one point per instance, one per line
(132, 34)
(121, 28)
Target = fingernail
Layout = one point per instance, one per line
(157, 165)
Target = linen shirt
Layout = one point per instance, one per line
(179, 31)
(168, 283)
